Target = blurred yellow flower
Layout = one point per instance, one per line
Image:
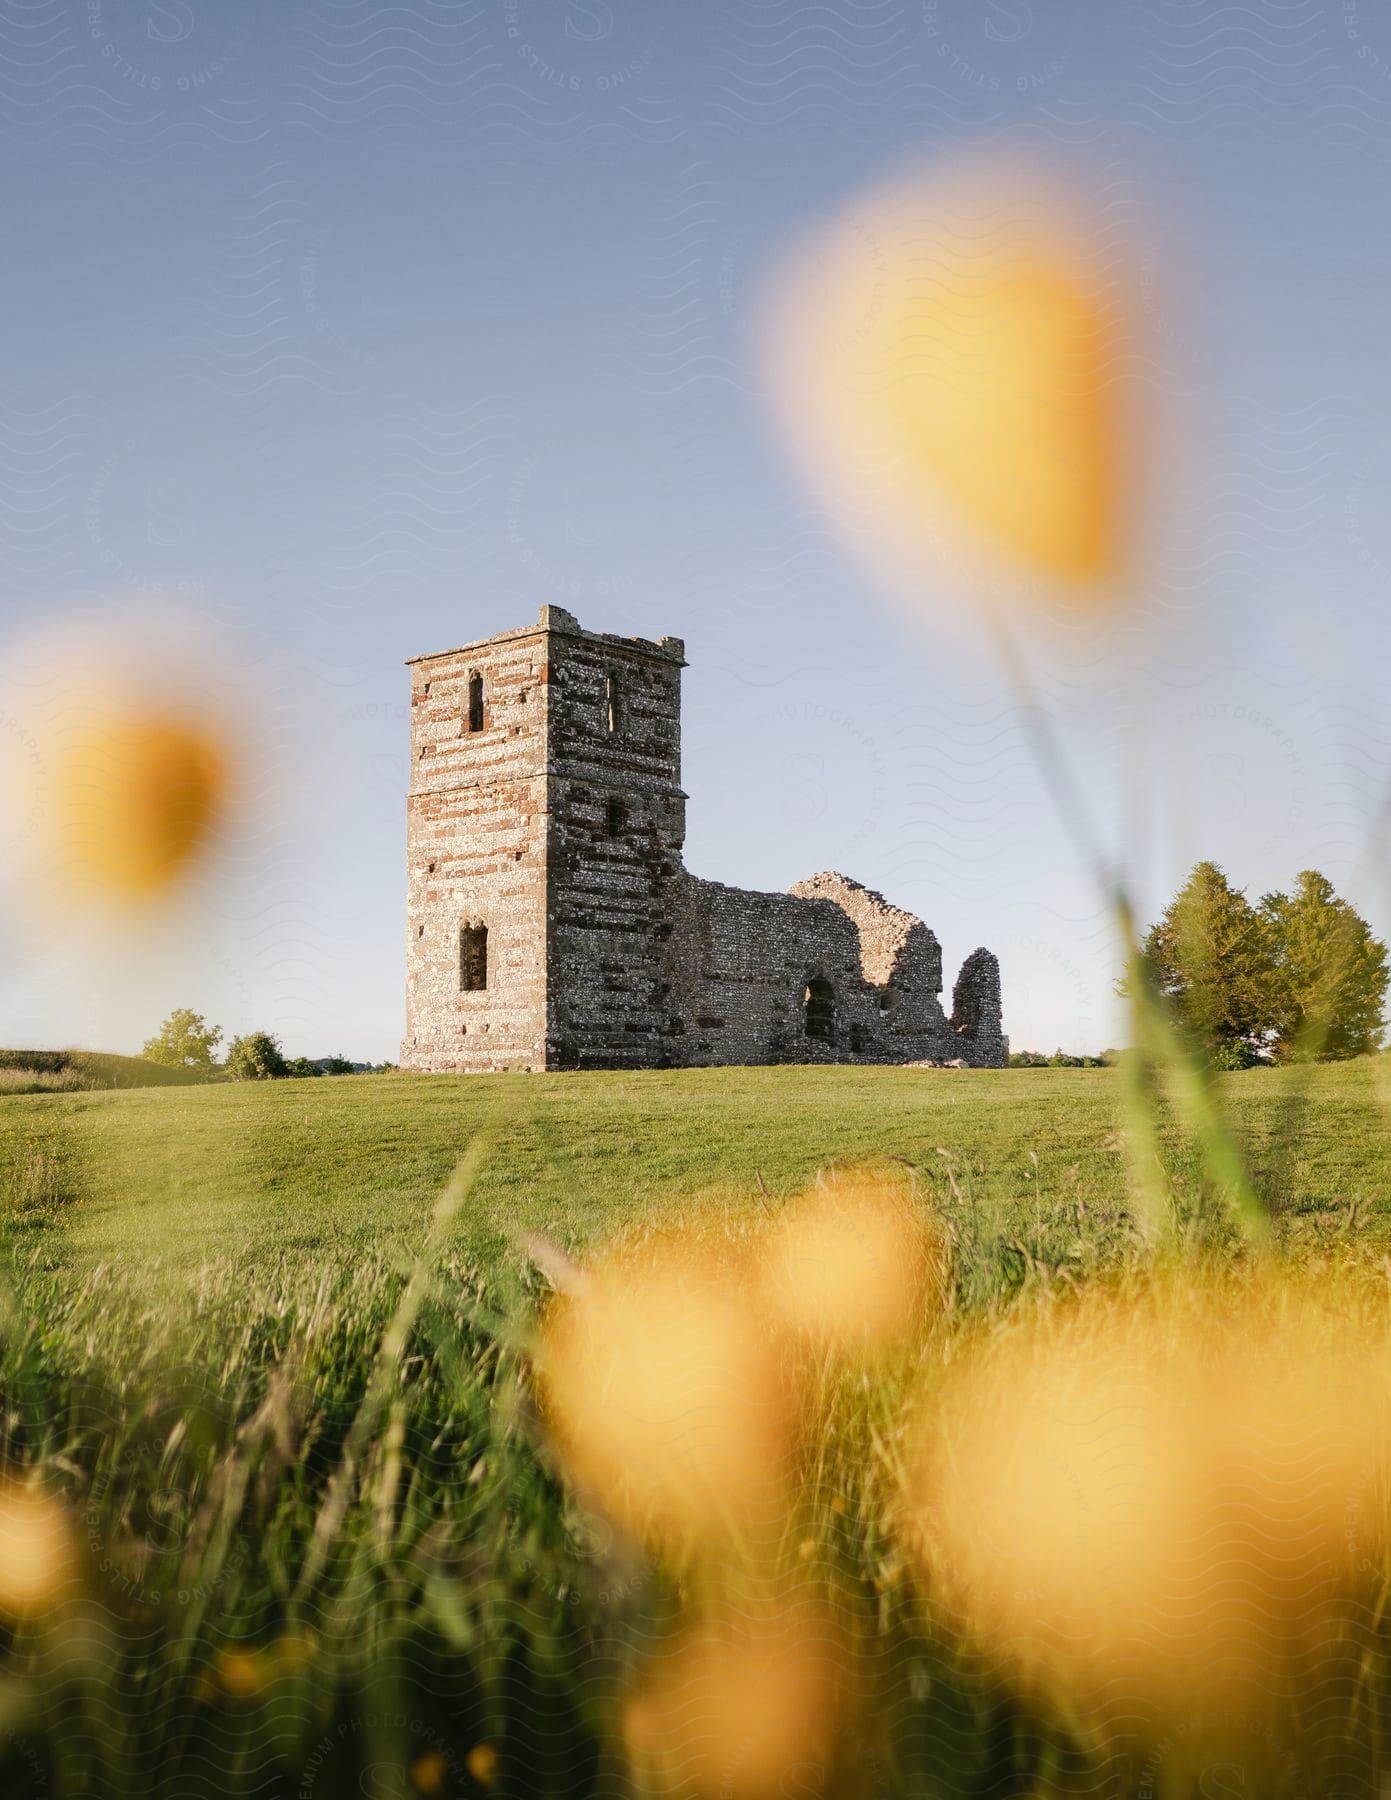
(1154, 1498)
(481, 1763)
(429, 1770)
(665, 1397)
(137, 797)
(740, 1709)
(241, 1673)
(851, 1264)
(948, 358)
(37, 1562)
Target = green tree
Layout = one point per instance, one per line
(301, 1068)
(1209, 957)
(1328, 974)
(256, 1057)
(185, 1041)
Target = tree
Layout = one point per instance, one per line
(301, 1068)
(1209, 957)
(256, 1057)
(185, 1041)
(1328, 974)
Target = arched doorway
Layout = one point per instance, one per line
(819, 1009)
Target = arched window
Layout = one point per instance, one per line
(475, 702)
(611, 703)
(615, 816)
(473, 958)
(819, 1004)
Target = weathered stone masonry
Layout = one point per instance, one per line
(553, 925)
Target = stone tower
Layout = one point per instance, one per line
(545, 826)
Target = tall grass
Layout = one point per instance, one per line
(63, 1071)
(44, 1081)
(269, 1544)
(324, 1544)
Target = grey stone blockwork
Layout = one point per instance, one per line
(553, 925)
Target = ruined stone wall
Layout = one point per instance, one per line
(901, 959)
(737, 969)
(476, 853)
(742, 964)
(976, 1012)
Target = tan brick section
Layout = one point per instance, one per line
(544, 854)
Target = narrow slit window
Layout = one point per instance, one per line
(473, 958)
(615, 816)
(475, 702)
(611, 703)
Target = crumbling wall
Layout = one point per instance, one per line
(901, 959)
(976, 1012)
(738, 965)
(742, 963)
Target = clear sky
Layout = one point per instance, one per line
(338, 332)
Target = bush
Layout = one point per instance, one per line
(256, 1057)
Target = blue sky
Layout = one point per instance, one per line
(343, 332)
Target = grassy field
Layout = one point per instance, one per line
(340, 1167)
(319, 1542)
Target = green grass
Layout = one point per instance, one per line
(344, 1163)
(291, 1574)
(341, 1166)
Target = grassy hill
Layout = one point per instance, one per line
(76, 1071)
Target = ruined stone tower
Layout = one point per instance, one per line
(546, 822)
(553, 925)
